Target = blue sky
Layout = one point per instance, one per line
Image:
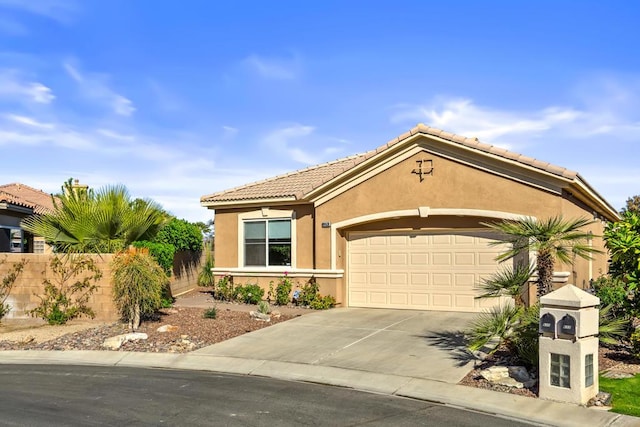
(180, 99)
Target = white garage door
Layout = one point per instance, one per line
(421, 271)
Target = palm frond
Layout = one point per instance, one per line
(506, 281)
(498, 322)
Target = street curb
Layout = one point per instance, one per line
(520, 408)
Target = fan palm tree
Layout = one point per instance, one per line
(553, 239)
(106, 220)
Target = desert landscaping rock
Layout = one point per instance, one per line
(167, 328)
(510, 376)
(260, 316)
(114, 343)
(617, 375)
(200, 332)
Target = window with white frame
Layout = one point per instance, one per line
(267, 242)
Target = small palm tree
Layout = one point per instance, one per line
(105, 221)
(553, 239)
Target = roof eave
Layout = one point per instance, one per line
(251, 202)
(594, 196)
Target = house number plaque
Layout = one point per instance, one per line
(423, 167)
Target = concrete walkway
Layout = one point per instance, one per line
(382, 351)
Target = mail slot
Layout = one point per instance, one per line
(547, 323)
(568, 325)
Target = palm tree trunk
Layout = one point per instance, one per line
(545, 273)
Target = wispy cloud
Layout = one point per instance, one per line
(14, 86)
(283, 140)
(274, 68)
(301, 144)
(95, 86)
(229, 131)
(58, 10)
(508, 127)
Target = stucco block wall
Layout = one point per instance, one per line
(29, 284)
(186, 267)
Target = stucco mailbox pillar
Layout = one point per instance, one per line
(569, 320)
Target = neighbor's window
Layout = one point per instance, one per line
(267, 242)
(560, 367)
(588, 370)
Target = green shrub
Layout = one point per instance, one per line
(65, 294)
(225, 290)
(612, 291)
(138, 283)
(210, 313)
(162, 252)
(635, 342)
(263, 307)
(322, 302)
(7, 283)
(206, 277)
(308, 292)
(250, 294)
(309, 296)
(182, 234)
(283, 291)
(166, 302)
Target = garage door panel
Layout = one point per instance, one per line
(398, 279)
(420, 270)
(398, 258)
(441, 258)
(464, 280)
(358, 258)
(465, 301)
(378, 259)
(419, 279)
(443, 239)
(442, 279)
(464, 240)
(419, 300)
(398, 240)
(442, 300)
(378, 298)
(376, 278)
(419, 259)
(398, 298)
(465, 259)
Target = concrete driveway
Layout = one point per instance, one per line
(417, 344)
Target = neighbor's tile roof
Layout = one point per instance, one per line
(299, 183)
(23, 195)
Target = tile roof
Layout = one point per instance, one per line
(299, 183)
(23, 195)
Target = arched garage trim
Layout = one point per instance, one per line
(422, 212)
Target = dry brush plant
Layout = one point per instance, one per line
(138, 283)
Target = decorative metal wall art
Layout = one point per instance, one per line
(424, 167)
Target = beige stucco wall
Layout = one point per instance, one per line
(23, 296)
(453, 185)
(226, 238)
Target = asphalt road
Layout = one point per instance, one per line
(45, 395)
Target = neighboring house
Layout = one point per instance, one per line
(18, 201)
(399, 226)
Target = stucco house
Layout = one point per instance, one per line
(399, 226)
(18, 201)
